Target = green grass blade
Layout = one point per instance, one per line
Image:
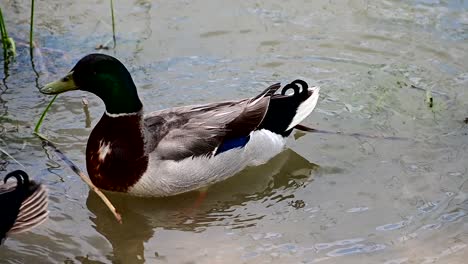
(31, 27)
(39, 123)
(2, 26)
(9, 47)
(3, 36)
(113, 21)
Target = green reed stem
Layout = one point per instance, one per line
(31, 27)
(4, 36)
(39, 123)
(2, 27)
(113, 21)
(9, 47)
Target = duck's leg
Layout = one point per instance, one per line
(202, 193)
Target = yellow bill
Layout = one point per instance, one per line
(64, 84)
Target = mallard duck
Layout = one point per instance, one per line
(24, 204)
(180, 149)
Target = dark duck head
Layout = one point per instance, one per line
(113, 161)
(104, 76)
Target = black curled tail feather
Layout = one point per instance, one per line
(300, 87)
(22, 177)
(283, 108)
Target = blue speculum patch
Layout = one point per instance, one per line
(232, 144)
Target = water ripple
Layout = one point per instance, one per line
(393, 226)
(356, 249)
(452, 217)
(344, 242)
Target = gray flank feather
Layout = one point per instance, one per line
(191, 131)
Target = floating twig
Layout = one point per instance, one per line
(442, 94)
(84, 101)
(103, 46)
(80, 173)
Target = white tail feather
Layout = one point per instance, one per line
(306, 107)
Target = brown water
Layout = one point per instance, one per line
(327, 199)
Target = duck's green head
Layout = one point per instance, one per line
(104, 76)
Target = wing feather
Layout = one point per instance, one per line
(192, 131)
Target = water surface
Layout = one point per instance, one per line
(327, 198)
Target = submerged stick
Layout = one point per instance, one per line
(11, 157)
(313, 130)
(72, 165)
(432, 91)
(80, 173)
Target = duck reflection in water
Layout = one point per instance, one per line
(141, 216)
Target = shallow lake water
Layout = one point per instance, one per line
(326, 199)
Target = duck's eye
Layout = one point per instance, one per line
(65, 79)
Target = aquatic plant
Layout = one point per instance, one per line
(9, 47)
(429, 99)
(31, 45)
(113, 39)
(41, 119)
(31, 27)
(113, 21)
(50, 144)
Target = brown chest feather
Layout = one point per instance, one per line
(115, 155)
